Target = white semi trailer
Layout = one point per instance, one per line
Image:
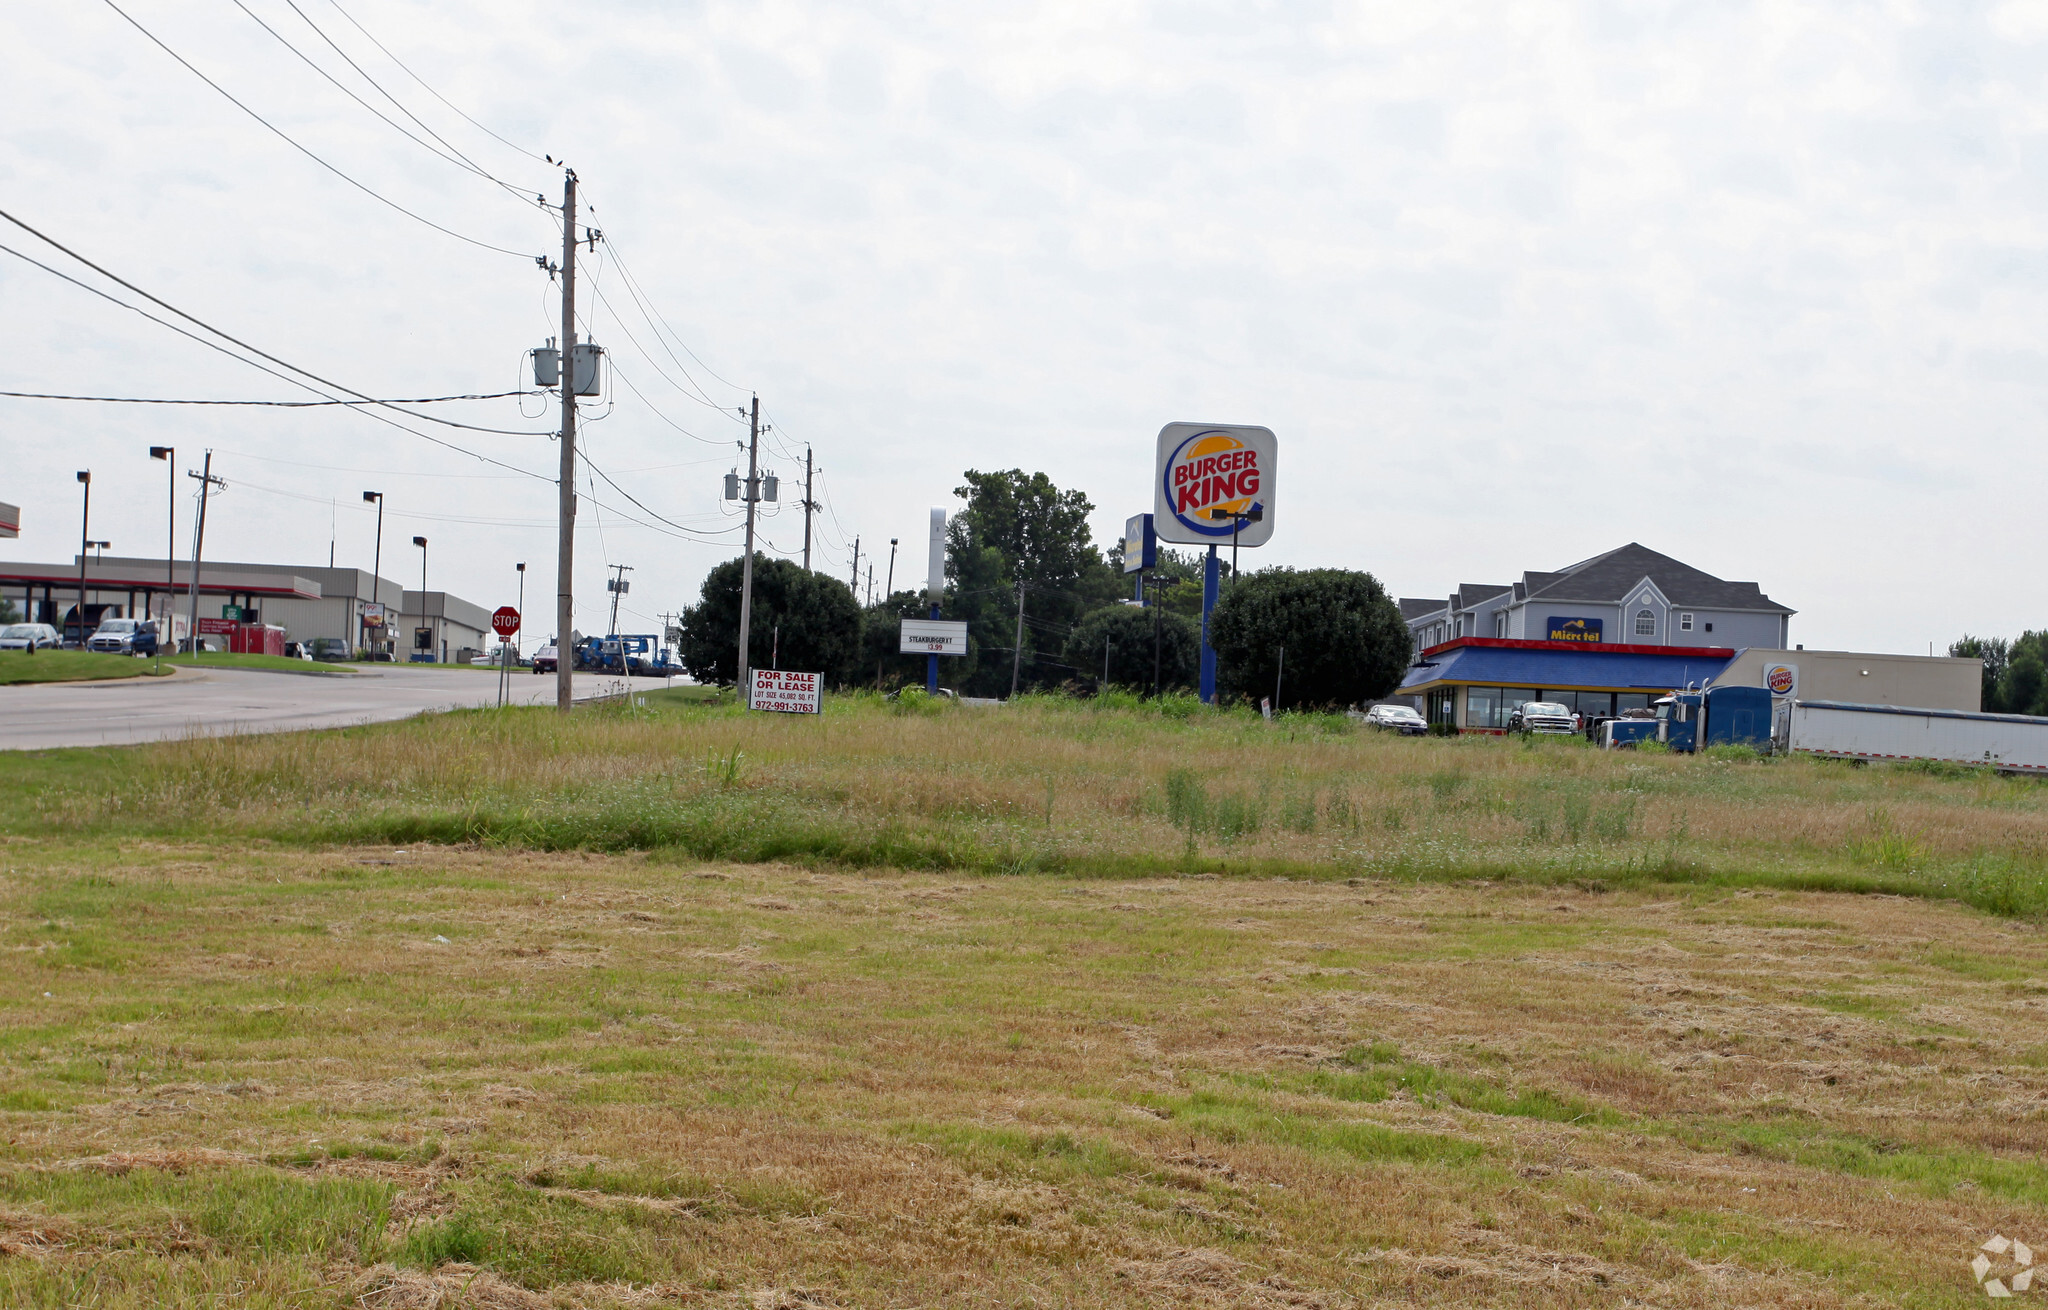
(2010, 743)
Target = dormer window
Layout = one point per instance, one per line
(1646, 624)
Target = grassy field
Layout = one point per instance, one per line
(18, 668)
(1047, 1005)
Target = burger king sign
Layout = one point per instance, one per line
(1211, 480)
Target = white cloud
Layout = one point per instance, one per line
(1759, 285)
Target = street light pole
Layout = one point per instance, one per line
(376, 568)
(84, 527)
(889, 587)
(169, 455)
(421, 542)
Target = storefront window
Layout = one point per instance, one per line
(1632, 700)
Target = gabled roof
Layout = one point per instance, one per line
(1471, 593)
(1413, 608)
(1610, 577)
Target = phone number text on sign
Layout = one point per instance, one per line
(786, 693)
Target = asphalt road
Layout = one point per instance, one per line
(213, 701)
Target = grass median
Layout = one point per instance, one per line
(18, 668)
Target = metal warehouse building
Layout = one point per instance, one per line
(307, 601)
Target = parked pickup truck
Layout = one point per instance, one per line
(1543, 716)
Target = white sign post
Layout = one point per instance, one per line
(786, 693)
(933, 637)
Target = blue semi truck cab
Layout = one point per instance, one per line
(1692, 719)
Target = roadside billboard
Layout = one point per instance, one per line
(933, 637)
(1209, 478)
(10, 520)
(785, 693)
(1141, 545)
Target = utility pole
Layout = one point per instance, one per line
(747, 564)
(809, 505)
(617, 587)
(854, 581)
(377, 582)
(565, 514)
(889, 587)
(1017, 649)
(207, 482)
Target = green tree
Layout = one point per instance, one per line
(1994, 651)
(819, 621)
(1124, 634)
(1019, 527)
(8, 614)
(1344, 640)
(2015, 671)
(881, 634)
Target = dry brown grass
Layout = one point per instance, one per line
(626, 1081)
(1064, 787)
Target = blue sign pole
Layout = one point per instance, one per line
(1208, 604)
(931, 666)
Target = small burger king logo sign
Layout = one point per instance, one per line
(1214, 480)
(1782, 679)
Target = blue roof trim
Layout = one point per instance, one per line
(1563, 669)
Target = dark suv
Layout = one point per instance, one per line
(329, 650)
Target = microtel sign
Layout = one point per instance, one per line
(1208, 480)
(1561, 628)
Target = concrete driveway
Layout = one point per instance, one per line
(213, 701)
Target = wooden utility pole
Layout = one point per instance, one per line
(753, 495)
(809, 505)
(207, 482)
(854, 582)
(1017, 650)
(565, 515)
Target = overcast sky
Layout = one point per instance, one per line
(1761, 287)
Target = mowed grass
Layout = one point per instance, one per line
(1071, 787)
(19, 668)
(1054, 1004)
(273, 1076)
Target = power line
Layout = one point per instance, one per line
(430, 90)
(155, 300)
(272, 404)
(294, 144)
(284, 377)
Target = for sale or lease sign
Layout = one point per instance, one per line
(786, 693)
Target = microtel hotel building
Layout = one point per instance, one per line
(1601, 637)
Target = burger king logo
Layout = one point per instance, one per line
(1211, 480)
(1781, 679)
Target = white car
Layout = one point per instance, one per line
(29, 636)
(1396, 718)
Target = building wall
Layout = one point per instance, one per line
(1529, 621)
(1920, 681)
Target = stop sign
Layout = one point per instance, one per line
(505, 621)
